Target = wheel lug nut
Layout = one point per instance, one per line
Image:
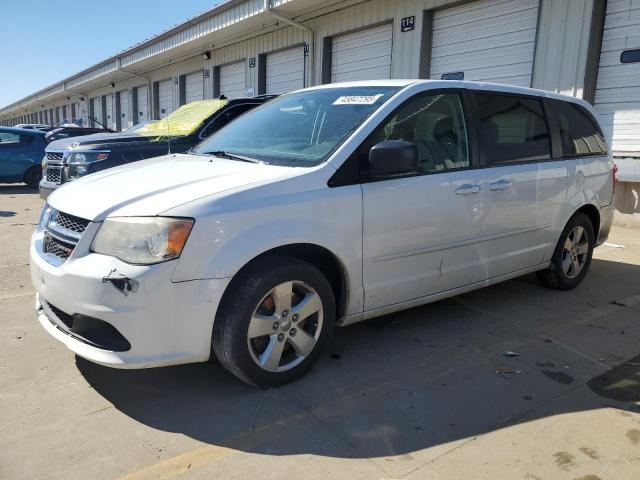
(276, 325)
(281, 337)
(292, 332)
(285, 313)
(295, 317)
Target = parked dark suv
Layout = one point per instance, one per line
(71, 158)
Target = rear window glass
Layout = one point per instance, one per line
(512, 129)
(579, 134)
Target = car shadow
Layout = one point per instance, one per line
(411, 380)
(16, 189)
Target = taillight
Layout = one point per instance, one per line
(614, 172)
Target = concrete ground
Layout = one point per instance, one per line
(413, 395)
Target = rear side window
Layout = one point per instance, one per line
(9, 139)
(225, 117)
(579, 134)
(512, 129)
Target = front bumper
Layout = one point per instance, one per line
(165, 322)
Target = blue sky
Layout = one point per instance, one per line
(44, 41)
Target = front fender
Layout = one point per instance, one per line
(225, 241)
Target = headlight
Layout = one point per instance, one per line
(142, 240)
(44, 217)
(76, 171)
(87, 157)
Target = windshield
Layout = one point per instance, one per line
(184, 121)
(301, 127)
(137, 127)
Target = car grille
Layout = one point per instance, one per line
(54, 175)
(62, 233)
(57, 248)
(54, 156)
(69, 222)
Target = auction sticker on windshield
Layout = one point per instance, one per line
(357, 99)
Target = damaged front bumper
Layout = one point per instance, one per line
(122, 315)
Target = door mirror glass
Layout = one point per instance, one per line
(393, 157)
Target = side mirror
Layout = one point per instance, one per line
(393, 157)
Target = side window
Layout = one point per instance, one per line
(579, 134)
(435, 123)
(512, 129)
(9, 139)
(225, 117)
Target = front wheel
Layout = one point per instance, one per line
(572, 256)
(274, 321)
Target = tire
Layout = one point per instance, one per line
(33, 177)
(563, 273)
(255, 321)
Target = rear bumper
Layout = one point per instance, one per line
(163, 323)
(606, 220)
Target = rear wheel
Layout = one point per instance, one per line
(274, 321)
(572, 256)
(33, 177)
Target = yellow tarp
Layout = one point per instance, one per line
(184, 121)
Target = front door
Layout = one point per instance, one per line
(420, 231)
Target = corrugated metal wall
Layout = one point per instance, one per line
(618, 88)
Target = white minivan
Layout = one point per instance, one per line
(323, 207)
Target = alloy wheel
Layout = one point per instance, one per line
(285, 326)
(575, 251)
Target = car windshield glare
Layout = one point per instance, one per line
(184, 121)
(301, 128)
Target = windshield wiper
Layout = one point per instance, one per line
(233, 156)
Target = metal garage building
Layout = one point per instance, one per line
(586, 48)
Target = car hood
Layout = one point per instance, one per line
(150, 187)
(96, 140)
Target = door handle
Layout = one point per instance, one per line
(467, 189)
(500, 185)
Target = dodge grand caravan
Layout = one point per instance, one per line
(324, 207)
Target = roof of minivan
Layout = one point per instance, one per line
(494, 87)
(22, 130)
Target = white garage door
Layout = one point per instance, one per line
(232, 80)
(285, 70)
(142, 113)
(194, 87)
(124, 110)
(362, 55)
(165, 98)
(618, 88)
(96, 111)
(110, 123)
(490, 40)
